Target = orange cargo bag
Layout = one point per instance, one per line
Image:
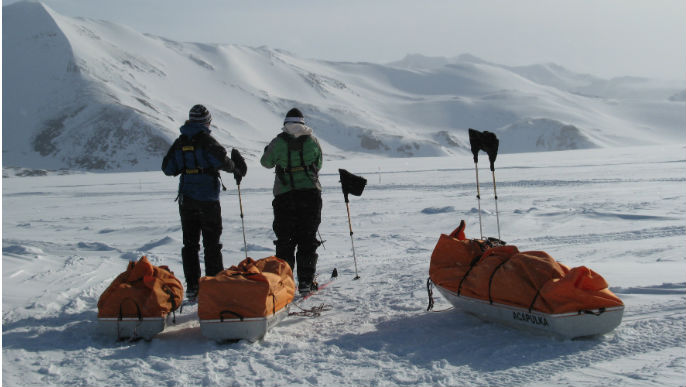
(143, 290)
(502, 274)
(250, 289)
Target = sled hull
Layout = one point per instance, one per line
(131, 328)
(565, 325)
(249, 328)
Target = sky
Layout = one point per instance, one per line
(606, 38)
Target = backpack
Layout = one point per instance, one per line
(295, 144)
(189, 147)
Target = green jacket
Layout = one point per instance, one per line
(300, 174)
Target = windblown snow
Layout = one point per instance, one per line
(87, 94)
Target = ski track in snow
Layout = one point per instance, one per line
(631, 235)
(58, 259)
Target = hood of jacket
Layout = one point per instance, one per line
(297, 130)
(190, 129)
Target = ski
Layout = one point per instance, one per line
(301, 298)
(314, 311)
(319, 288)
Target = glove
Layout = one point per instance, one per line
(238, 177)
(240, 168)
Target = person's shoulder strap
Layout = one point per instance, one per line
(285, 137)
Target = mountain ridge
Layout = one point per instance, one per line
(87, 94)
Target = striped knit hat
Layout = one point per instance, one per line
(294, 115)
(199, 115)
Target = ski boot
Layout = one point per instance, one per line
(192, 294)
(307, 287)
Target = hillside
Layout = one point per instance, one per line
(88, 94)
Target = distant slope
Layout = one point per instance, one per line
(87, 94)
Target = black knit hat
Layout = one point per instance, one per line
(200, 115)
(294, 115)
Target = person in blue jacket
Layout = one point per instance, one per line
(198, 158)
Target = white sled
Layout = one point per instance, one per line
(131, 328)
(566, 325)
(231, 327)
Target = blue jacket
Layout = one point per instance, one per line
(197, 157)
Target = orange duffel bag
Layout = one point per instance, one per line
(504, 275)
(143, 290)
(250, 289)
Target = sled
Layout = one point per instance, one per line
(131, 328)
(245, 301)
(233, 327)
(570, 325)
(529, 289)
(138, 302)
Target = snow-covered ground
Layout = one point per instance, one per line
(621, 212)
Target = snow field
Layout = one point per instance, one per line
(618, 211)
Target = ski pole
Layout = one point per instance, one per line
(321, 240)
(495, 193)
(240, 203)
(490, 144)
(475, 143)
(347, 207)
(351, 184)
(478, 199)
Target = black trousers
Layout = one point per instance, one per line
(200, 217)
(297, 215)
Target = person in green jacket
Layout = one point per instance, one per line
(297, 158)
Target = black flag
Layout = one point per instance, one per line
(351, 184)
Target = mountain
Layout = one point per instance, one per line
(88, 94)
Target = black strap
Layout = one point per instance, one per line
(473, 263)
(490, 280)
(290, 167)
(281, 174)
(243, 273)
(598, 313)
(531, 306)
(430, 292)
(172, 299)
(306, 168)
(138, 309)
(221, 315)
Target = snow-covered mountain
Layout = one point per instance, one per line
(87, 94)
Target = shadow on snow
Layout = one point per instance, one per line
(461, 339)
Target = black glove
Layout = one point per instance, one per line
(240, 168)
(238, 177)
